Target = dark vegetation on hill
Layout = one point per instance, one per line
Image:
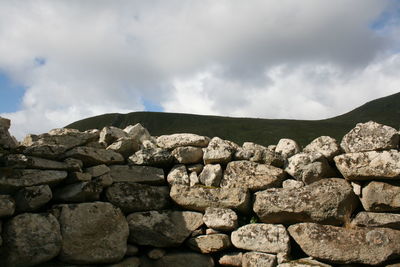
(384, 110)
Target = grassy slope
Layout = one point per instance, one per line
(262, 131)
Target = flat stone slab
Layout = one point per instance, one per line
(91, 156)
(137, 174)
(381, 197)
(182, 139)
(209, 243)
(375, 219)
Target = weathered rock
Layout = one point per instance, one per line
(243, 154)
(156, 253)
(79, 192)
(309, 167)
(7, 206)
(6, 140)
(211, 175)
(33, 197)
(29, 162)
(184, 259)
(357, 188)
(370, 136)
(178, 175)
(218, 151)
(194, 179)
(11, 182)
(157, 157)
(273, 158)
(292, 184)
(381, 197)
(137, 174)
(328, 201)
(197, 168)
(188, 154)
(92, 233)
(110, 134)
(369, 165)
(231, 259)
(287, 148)
(347, 245)
(373, 219)
(210, 231)
(93, 156)
(325, 145)
(76, 177)
(199, 198)
(162, 228)
(131, 197)
(220, 219)
(261, 237)
(138, 133)
(209, 243)
(98, 170)
(258, 259)
(182, 139)
(124, 146)
(306, 262)
(30, 239)
(251, 175)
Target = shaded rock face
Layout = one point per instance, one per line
(211, 175)
(184, 259)
(95, 156)
(156, 157)
(325, 145)
(328, 201)
(178, 175)
(375, 219)
(370, 136)
(7, 206)
(209, 243)
(347, 245)
(6, 140)
(381, 197)
(184, 139)
(251, 259)
(92, 233)
(33, 197)
(137, 174)
(162, 228)
(30, 239)
(21, 161)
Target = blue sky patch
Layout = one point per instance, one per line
(151, 106)
(10, 94)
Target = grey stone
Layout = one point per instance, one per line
(209, 243)
(95, 156)
(218, 151)
(211, 175)
(157, 157)
(287, 147)
(124, 146)
(273, 158)
(188, 154)
(325, 145)
(137, 174)
(98, 170)
(78, 192)
(197, 168)
(75, 177)
(381, 197)
(6, 140)
(156, 253)
(178, 175)
(220, 219)
(258, 259)
(33, 197)
(374, 219)
(110, 134)
(292, 184)
(182, 139)
(29, 162)
(138, 133)
(7, 206)
(231, 259)
(131, 250)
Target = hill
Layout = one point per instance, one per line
(384, 110)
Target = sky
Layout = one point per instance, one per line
(61, 61)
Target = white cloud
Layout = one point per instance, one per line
(274, 59)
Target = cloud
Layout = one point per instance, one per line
(288, 59)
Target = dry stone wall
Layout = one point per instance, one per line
(121, 197)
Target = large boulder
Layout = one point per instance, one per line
(251, 175)
(361, 245)
(328, 201)
(162, 228)
(30, 239)
(92, 233)
(78, 192)
(370, 136)
(157, 157)
(287, 147)
(91, 156)
(377, 219)
(137, 174)
(381, 197)
(218, 151)
(325, 145)
(209, 243)
(188, 154)
(261, 237)
(199, 198)
(138, 133)
(369, 165)
(182, 139)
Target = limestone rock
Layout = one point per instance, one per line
(98, 170)
(218, 151)
(258, 259)
(251, 175)
(370, 136)
(243, 154)
(162, 228)
(287, 148)
(33, 197)
(292, 184)
(92, 233)
(328, 201)
(261, 237)
(220, 219)
(325, 145)
(137, 174)
(273, 158)
(156, 157)
(374, 219)
(178, 175)
(138, 133)
(381, 197)
(211, 175)
(361, 245)
(110, 134)
(209, 243)
(197, 168)
(188, 154)
(131, 197)
(6, 140)
(309, 167)
(369, 165)
(194, 179)
(7, 206)
(182, 139)
(184, 259)
(125, 146)
(93, 156)
(231, 259)
(29, 162)
(30, 239)
(199, 198)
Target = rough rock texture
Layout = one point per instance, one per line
(218, 151)
(178, 175)
(138, 132)
(258, 259)
(347, 245)
(231, 259)
(270, 238)
(33, 197)
(309, 167)
(197, 168)
(95, 156)
(156, 157)
(137, 174)
(306, 262)
(252, 175)
(194, 179)
(21, 161)
(188, 154)
(30, 239)
(6, 140)
(328, 201)
(381, 197)
(374, 219)
(325, 145)
(98, 170)
(211, 175)
(110, 134)
(125, 146)
(7, 206)
(199, 198)
(287, 148)
(78, 192)
(209, 243)
(370, 136)
(369, 165)
(290, 183)
(184, 259)
(273, 158)
(131, 197)
(220, 219)
(162, 228)
(92, 233)
(183, 139)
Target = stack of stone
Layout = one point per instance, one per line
(121, 197)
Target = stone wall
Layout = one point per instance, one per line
(125, 198)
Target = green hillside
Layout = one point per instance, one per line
(385, 110)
